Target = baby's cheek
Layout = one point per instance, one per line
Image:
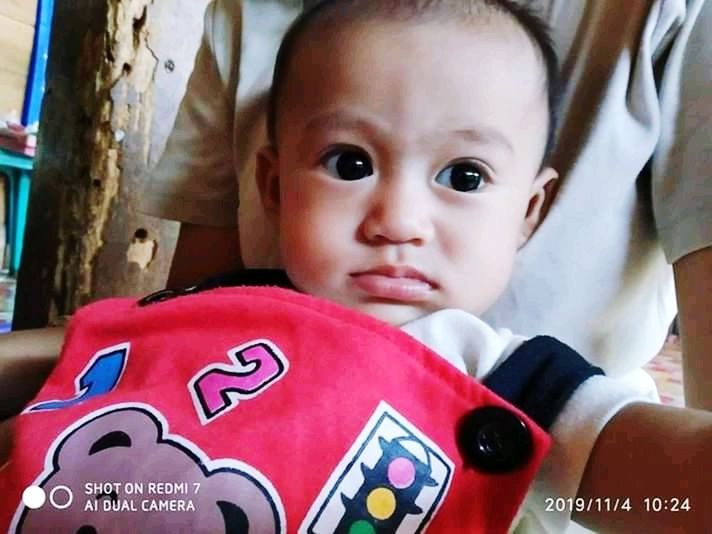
(308, 257)
(482, 274)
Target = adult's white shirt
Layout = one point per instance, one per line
(634, 155)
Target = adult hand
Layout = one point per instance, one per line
(203, 251)
(26, 359)
(693, 283)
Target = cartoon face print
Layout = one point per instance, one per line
(113, 462)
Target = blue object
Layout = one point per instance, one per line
(102, 376)
(17, 168)
(35, 86)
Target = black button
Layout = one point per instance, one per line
(494, 440)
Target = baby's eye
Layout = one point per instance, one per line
(464, 177)
(348, 164)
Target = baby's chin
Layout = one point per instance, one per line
(396, 314)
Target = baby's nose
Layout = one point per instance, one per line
(399, 214)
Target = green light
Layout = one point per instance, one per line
(362, 527)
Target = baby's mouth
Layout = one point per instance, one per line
(399, 283)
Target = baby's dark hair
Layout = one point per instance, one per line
(335, 10)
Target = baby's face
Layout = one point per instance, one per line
(406, 171)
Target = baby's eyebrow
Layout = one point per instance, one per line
(358, 121)
(484, 135)
(345, 120)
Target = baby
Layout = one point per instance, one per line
(408, 164)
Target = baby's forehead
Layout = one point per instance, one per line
(335, 33)
(485, 18)
(450, 48)
(341, 35)
(323, 48)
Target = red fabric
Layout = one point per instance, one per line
(286, 453)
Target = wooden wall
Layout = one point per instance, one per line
(17, 28)
(116, 73)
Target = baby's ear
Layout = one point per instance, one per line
(267, 175)
(541, 189)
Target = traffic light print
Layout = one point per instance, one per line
(392, 480)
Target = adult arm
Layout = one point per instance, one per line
(5, 440)
(650, 451)
(682, 197)
(693, 283)
(195, 180)
(203, 251)
(26, 359)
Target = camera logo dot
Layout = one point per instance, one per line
(60, 497)
(33, 497)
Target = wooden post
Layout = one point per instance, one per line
(100, 133)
